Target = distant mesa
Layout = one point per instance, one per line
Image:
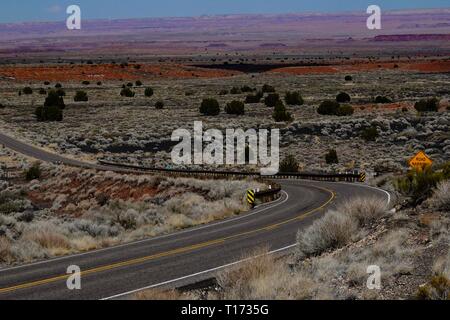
(413, 37)
(217, 45)
(272, 45)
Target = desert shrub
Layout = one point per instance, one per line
(81, 96)
(86, 83)
(348, 78)
(331, 157)
(60, 92)
(189, 93)
(47, 83)
(42, 91)
(58, 85)
(2, 106)
(332, 231)
(438, 288)
(247, 89)
(343, 97)
(27, 90)
(364, 210)
(5, 250)
(148, 92)
(210, 107)
(418, 185)
(382, 99)
(272, 99)
(441, 196)
(293, 99)
(51, 113)
(254, 98)
(235, 90)
(46, 237)
(328, 107)
(33, 173)
(345, 110)
(429, 105)
(127, 92)
(129, 84)
(99, 83)
(268, 89)
(138, 83)
(289, 164)
(52, 109)
(159, 105)
(235, 107)
(223, 92)
(370, 134)
(54, 98)
(280, 113)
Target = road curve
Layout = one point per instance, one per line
(182, 255)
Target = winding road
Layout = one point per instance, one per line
(179, 258)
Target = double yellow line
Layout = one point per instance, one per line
(171, 252)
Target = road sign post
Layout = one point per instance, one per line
(251, 197)
(420, 161)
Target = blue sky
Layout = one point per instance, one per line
(51, 10)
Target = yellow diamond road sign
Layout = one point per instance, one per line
(420, 161)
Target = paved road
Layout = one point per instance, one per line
(180, 257)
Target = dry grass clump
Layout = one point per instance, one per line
(364, 210)
(5, 250)
(265, 277)
(337, 227)
(441, 196)
(158, 294)
(332, 231)
(438, 288)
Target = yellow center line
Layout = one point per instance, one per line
(171, 252)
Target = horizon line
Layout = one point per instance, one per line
(306, 13)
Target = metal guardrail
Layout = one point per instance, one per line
(347, 177)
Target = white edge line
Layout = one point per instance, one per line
(266, 207)
(195, 274)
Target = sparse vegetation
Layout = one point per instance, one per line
(328, 107)
(382, 99)
(33, 173)
(127, 92)
(429, 105)
(254, 98)
(370, 134)
(81, 96)
(280, 113)
(331, 157)
(268, 89)
(235, 107)
(289, 164)
(272, 99)
(27, 91)
(159, 105)
(148, 92)
(343, 97)
(345, 110)
(210, 107)
(293, 99)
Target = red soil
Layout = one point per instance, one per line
(106, 72)
(435, 66)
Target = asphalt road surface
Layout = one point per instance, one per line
(179, 258)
